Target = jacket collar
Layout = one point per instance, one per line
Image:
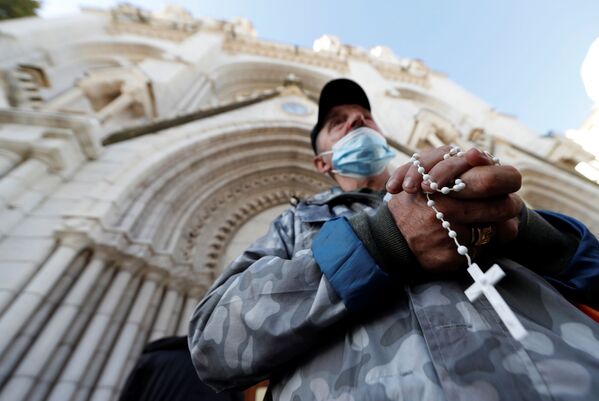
(337, 195)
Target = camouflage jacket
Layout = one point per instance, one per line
(274, 315)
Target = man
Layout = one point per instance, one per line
(349, 298)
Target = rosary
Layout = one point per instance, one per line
(483, 281)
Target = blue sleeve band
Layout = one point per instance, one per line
(348, 266)
(580, 279)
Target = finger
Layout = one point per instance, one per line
(413, 178)
(394, 184)
(507, 230)
(445, 172)
(476, 157)
(489, 181)
(483, 211)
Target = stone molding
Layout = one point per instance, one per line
(405, 70)
(564, 194)
(172, 23)
(409, 71)
(86, 130)
(290, 53)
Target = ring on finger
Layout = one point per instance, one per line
(482, 235)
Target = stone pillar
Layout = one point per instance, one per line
(36, 290)
(105, 348)
(59, 359)
(80, 360)
(164, 315)
(141, 338)
(8, 161)
(113, 370)
(171, 329)
(193, 298)
(31, 367)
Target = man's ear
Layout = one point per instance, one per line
(321, 165)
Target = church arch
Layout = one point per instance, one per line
(190, 200)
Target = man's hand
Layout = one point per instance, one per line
(496, 180)
(487, 199)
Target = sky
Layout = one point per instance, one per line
(522, 57)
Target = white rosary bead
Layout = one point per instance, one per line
(459, 187)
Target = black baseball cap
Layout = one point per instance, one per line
(335, 93)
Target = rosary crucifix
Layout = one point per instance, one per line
(483, 281)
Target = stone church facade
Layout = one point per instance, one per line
(140, 152)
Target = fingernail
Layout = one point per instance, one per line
(408, 183)
(391, 184)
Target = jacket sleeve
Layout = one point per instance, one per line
(270, 306)
(562, 250)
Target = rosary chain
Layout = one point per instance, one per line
(458, 185)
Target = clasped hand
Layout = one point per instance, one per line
(488, 199)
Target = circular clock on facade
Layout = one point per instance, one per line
(295, 108)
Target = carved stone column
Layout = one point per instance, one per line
(23, 380)
(171, 329)
(34, 293)
(166, 310)
(193, 298)
(80, 360)
(113, 369)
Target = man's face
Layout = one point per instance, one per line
(340, 121)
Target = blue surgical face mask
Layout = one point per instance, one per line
(363, 152)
